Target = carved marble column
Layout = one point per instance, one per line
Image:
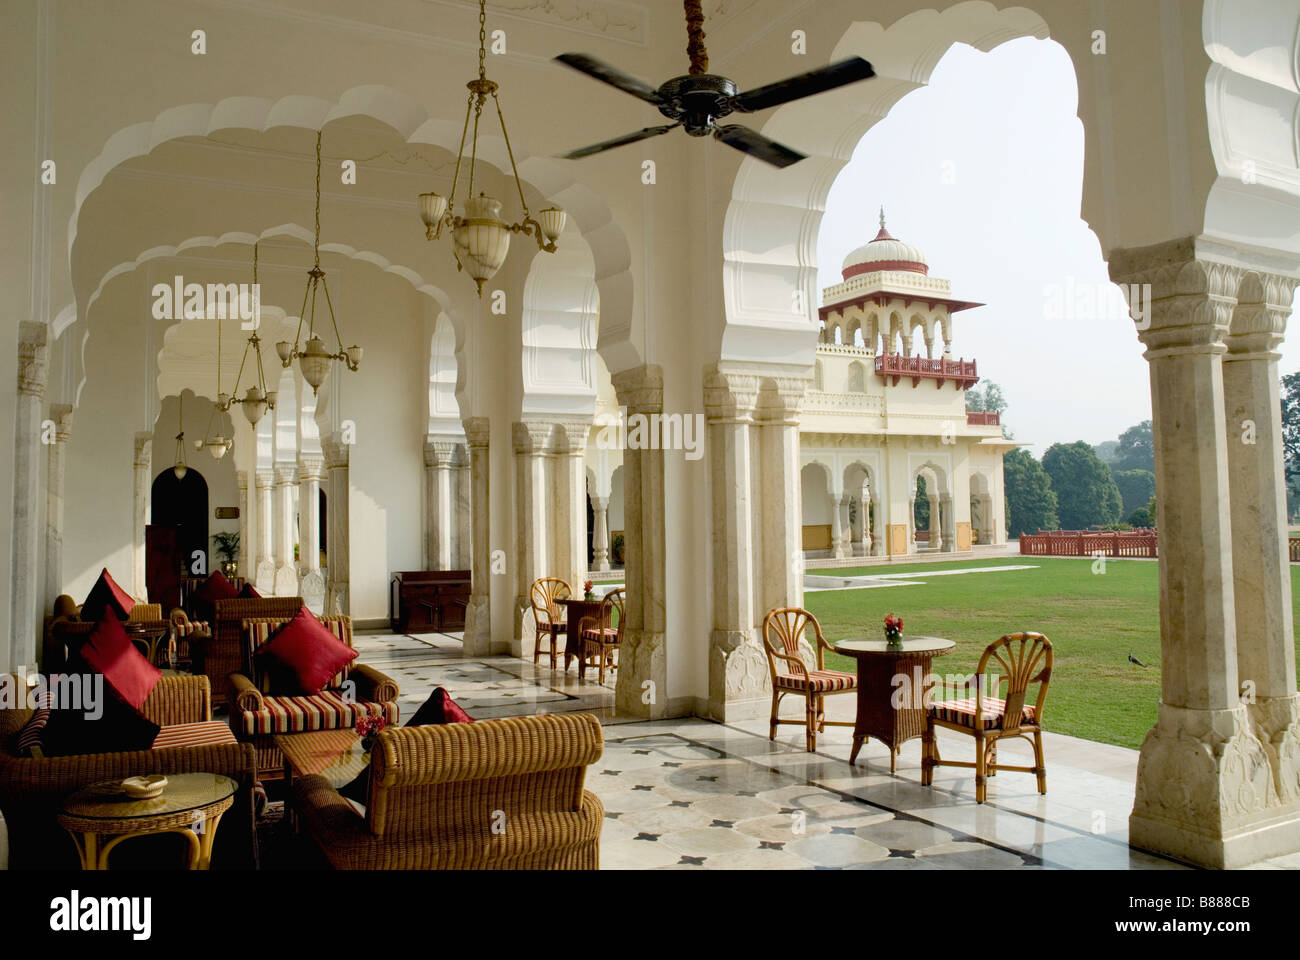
(56, 448)
(737, 664)
(642, 689)
(911, 523)
(478, 615)
(1260, 558)
(839, 531)
(947, 523)
(244, 568)
(936, 523)
(532, 508)
(600, 533)
(780, 401)
(867, 507)
(439, 457)
(311, 583)
(141, 508)
(1205, 790)
(286, 574)
(570, 531)
(265, 574)
(464, 521)
(338, 517)
(33, 372)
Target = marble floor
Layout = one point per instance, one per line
(693, 794)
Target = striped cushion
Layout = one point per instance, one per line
(327, 710)
(818, 681)
(610, 635)
(963, 712)
(260, 633)
(203, 734)
(28, 741)
(192, 628)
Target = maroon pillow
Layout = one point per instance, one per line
(248, 593)
(125, 669)
(103, 595)
(205, 598)
(305, 653)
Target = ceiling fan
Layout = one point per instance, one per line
(697, 101)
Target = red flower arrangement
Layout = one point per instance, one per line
(368, 729)
(893, 628)
(587, 587)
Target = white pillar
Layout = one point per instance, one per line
(439, 456)
(464, 498)
(265, 571)
(286, 576)
(867, 507)
(781, 516)
(141, 508)
(311, 583)
(839, 531)
(570, 532)
(338, 517)
(937, 531)
(244, 568)
(56, 456)
(478, 615)
(600, 533)
(532, 504)
(33, 371)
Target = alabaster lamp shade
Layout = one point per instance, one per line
(432, 209)
(285, 350)
(482, 240)
(315, 362)
(552, 220)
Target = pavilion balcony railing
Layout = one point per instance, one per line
(984, 419)
(895, 366)
(1089, 543)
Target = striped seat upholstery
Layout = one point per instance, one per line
(327, 710)
(193, 628)
(963, 712)
(817, 681)
(607, 635)
(205, 733)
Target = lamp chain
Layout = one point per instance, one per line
(317, 244)
(482, 39)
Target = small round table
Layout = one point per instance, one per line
(101, 816)
(151, 636)
(891, 689)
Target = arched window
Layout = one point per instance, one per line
(857, 378)
(819, 377)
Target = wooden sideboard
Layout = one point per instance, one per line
(428, 601)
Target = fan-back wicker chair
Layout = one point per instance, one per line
(1024, 658)
(601, 636)
(546, 613)
(783, 628)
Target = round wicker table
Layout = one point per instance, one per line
(101, 816)
(879, 668)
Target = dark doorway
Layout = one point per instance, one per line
(182, 507)
(591, 531)
(323, 525)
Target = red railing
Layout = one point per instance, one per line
(1293, 545)
(897, 366)
(1085, 543)
(984, 419)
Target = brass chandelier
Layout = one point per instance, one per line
(313, 357)
(480, 239)
(256, 399)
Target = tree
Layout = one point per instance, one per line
(1137, 449)
(989, 399)
(921, 517)
(1291, 439)
(1136, 487)
(1031, 504)
(1107, 450)
(1085, 491)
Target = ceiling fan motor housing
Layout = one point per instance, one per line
(697, 101)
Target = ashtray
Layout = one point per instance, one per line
(144, 788)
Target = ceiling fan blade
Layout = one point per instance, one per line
(611, 75)
(756, 145)
(622, 141)
(804, 85)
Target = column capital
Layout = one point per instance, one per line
(780, 400)
(311, 468)
(33, 359)
(61, 414)
(478, 431)
(730, 397)
(531, 437)
(143, 450)
(336, 453)
(264, 477)
(440, 453)
(241, 480)
(1259, 320)
(285, 474)
(571, 437)
(640, 389)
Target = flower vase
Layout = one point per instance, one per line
(894, 639)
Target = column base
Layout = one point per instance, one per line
(264, 579)
(641, 688)
(311, 588)
(478, 626)
(739, 677)
(525, 635)
(286, 582)
(1205, 792)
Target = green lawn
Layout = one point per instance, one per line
(1093, 620)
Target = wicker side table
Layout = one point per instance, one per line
(101, 816)
(878, 665)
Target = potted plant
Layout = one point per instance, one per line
(228, 548)
(368, 730)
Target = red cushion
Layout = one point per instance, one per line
(103, 595)
(125, 669)
(217, 587)
(248, 593)
(305, 650)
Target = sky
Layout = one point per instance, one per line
(984, 172)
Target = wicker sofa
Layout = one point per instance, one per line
(32, 789)
(498, 794)
(258, 716)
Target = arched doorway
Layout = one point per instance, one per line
(179, 530)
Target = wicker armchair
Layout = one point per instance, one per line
(1024, 658)
(225, 651)
(32, 789)
(601, 636)
(494, 795)
(783, 628)
(189, 641)
(546, 613)
(258, 714)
